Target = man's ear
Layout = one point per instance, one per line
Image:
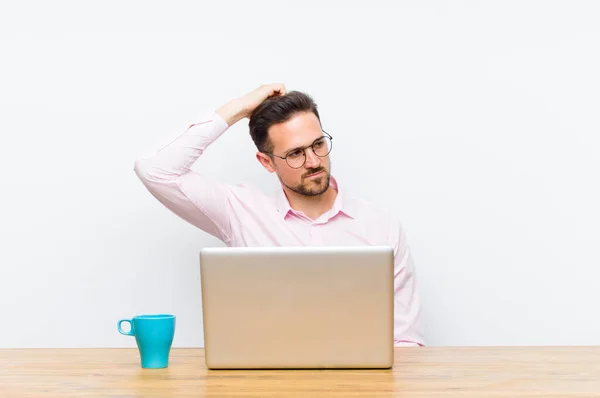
(265, 161)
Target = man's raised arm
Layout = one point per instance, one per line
(193, 196)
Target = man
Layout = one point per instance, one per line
(311, 208)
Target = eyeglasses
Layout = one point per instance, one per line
(297, 157)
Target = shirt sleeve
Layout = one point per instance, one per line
(194, 197)
(407, 304)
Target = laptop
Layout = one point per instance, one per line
(298, 307)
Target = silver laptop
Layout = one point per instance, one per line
(298, 307)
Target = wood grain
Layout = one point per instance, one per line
(417, 372)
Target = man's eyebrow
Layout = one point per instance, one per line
(296, 148)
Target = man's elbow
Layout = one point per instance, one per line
(140, 167)
(148, 172)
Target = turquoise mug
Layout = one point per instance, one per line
(153, 336)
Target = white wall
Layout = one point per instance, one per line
(476, 122)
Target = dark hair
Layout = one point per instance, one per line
(274, 110)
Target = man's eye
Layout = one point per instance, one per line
(319, 144)
(295, 154)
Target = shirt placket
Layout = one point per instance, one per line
(316, 237)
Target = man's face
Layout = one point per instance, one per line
(287, 138)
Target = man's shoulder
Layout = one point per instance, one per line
(247, 192)
(367, 209)
(255, 196)
(379, 222)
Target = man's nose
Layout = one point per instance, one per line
(312, 160)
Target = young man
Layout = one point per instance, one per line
(311, 208)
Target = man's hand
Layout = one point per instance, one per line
(242, 107)
(254, 98)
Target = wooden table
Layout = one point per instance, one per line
(417, 372)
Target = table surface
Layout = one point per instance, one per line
(417, 372)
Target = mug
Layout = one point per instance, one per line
(153, 336)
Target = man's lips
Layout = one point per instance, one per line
(318, 173)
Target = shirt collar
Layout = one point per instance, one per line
(342, 204)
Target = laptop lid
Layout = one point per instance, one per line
(298, 307)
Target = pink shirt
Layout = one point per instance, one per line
(242, 215)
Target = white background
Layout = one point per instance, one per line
(475, 122)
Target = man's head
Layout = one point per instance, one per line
(287, 126)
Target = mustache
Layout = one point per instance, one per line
(313, 171)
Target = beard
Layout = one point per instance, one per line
(314, 186)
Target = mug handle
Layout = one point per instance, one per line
(131, 331)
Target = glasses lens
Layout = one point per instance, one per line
(296, 159)
(322, 147)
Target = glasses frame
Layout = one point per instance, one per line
(304, 150)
